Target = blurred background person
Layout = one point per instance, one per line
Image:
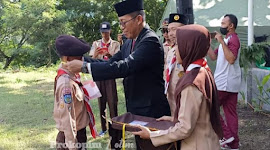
(173, 71)
(104, 49)
(228, 78)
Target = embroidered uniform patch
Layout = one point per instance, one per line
(68, 98)
(67, 95)
(62, 105)
(181, 74)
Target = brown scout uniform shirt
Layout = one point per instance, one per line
(194, 127)
(166, 48)
(113, 48)
(72, 117)
(177, 72)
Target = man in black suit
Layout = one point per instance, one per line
(140, 62)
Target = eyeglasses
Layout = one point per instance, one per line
(123, 24)
(164, 30)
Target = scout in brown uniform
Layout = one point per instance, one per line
(105, 48)
(167, 43)
(197, 113)
(71, 113)
(173, 70)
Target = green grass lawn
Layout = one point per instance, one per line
(26, 107)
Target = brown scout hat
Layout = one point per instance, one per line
(67, 45)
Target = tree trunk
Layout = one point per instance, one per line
(50, 56)
(8, 61)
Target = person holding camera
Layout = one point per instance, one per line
(228, 78)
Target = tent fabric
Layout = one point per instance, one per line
(209, 13)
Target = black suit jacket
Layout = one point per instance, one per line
(142, 71)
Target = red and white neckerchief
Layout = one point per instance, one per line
(92, 125)
(198, 63)
(168, 72)
(103, 44)
(166, 44)
(171, 46)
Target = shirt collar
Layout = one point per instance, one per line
(102, 40)
(229, 34)
(68, 72)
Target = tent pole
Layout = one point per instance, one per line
(250, 23)
(186, 7)
(250, 34)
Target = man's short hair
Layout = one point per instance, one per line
(233, 19)
(136, 13)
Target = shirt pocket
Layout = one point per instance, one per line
(79, 95)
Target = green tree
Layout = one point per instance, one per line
(28, 25)
(85, 16)
(154, 10)
(28, 28)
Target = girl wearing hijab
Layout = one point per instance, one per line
(196, 118)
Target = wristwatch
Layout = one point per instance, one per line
(84, 67)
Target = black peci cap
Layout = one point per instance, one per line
(180, 18)
(67, 45)
(128, 6)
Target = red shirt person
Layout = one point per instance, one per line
(228, 78)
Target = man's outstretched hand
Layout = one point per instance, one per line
(74, 66)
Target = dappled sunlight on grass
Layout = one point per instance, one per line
(19, 80)
(27, 137)
(26, 109)
(17, 92)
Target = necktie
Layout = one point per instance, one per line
(133, 44)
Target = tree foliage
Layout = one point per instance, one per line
(28, 28)
(85, 16)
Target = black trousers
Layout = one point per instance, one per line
(116, 137)
(143, 144)
(81, 139)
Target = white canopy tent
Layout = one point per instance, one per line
(209, 13)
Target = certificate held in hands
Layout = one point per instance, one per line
(129, 120)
